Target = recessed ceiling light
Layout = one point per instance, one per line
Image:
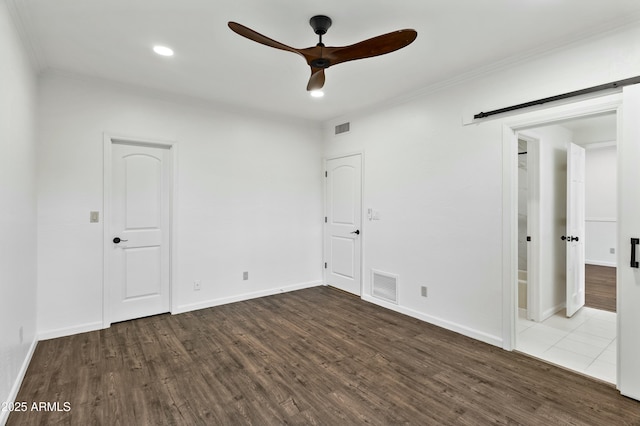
(317, 93)
(163, 50)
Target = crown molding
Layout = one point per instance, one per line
(21, 17)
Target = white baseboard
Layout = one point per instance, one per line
(241, 297)
(4, 415)
(68, 331)
(449, 325)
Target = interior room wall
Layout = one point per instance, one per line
(601, 204)
(18, 278)
(249, 198)
(437, 183)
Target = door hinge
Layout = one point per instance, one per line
(325, 265)
(325, 174)
(325, 219)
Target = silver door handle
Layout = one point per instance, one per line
(117, 240)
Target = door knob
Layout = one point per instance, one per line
(574, 238)
(357, 232)
(117, 240)
(563, 238)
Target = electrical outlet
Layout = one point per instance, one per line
(245, 275)
(94, 217)
(612, 250)
(423, 291)
(196, 285)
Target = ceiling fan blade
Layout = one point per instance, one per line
(259, 38)
(375, 46)
(316, 81)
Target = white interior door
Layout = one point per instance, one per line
(628, 273)
(575, 228)
(344, 219)
(139, 276)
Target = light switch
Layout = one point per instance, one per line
(94, 217)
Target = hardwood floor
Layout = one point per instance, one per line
(600, 287)
(314, 356)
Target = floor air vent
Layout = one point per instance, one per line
(342, 128)
(384, 286)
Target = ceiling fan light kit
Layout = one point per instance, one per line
(320, 57)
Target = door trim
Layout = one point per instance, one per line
(510, 129)
(172, 146)
(325, 214)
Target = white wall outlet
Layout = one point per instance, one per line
(612, 250)
(94, 217)
(245, 275)
(423, 291)
(196, 285)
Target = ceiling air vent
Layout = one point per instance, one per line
(342, 128)
(384, 286)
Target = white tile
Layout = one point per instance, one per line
(605, 316)
(590, 339)
(522, 325)
(578, 347)
(543, 334)
(532, 347)
(567, 359)
(597, 327)
(608, 355)
(585, 310)
(585, 343)
(564, 323)
(602, 370)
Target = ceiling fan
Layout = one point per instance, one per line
(320, 57)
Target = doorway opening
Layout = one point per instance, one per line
(550, 325)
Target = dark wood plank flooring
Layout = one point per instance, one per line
(600, 287)
(314, 356)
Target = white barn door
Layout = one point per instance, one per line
(139, 240)
(628, 270)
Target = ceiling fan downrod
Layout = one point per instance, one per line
(320, 25)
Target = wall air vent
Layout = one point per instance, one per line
(384, 286)
(342, 128)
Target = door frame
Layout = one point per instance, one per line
(172, 147)
(325, 214)
(510, 128)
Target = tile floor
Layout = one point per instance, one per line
(585, 342)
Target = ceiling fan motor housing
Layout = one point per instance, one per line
(320, 24)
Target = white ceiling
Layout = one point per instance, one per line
(596, 129)
(112, 39)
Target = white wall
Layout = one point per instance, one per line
(438, 183)
(249, 198)
(17, 209)
(601, 205)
